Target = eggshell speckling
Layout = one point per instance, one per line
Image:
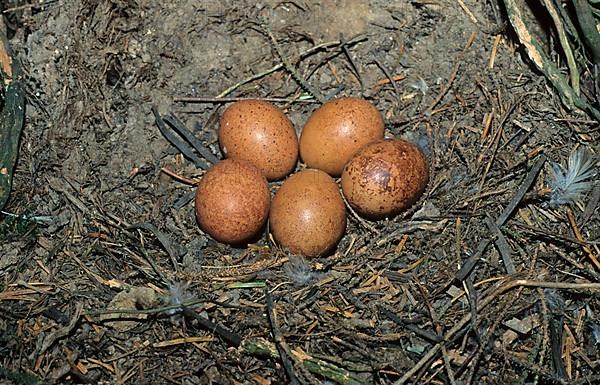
(336, 131)
(232, 201)
(259, 132)
(308, 215)
(385, 178)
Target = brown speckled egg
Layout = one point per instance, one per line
(232, 201)
(336, 131)
(385, 178)
(259, 132)
(308, 215)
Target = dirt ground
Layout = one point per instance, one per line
(98, 225)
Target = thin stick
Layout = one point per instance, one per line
(352, 63)
(395, 78)
(590, 208)
(231, 338)
(529, 179)
(388, 75)
(545, 338)
(438, 328)
(279, 341)
(494, 51)
(577, 233)
(218, 100)
(502, 244)
(276, 67)
(288, 66)
(462, 4)
(448, 85)
(181, 178)
(164, 241)
(413, 328)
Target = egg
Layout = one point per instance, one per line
(259, 132)
(336, 131)
(307, 215)
(232, 201)
(385, 178)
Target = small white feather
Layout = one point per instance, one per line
(178, 295)
(569, 184)
(299, 271)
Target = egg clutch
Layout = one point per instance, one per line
(343, 138)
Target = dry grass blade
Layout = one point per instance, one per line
(541, 60)
(12, 115)
(566, 46)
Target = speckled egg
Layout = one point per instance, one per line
(336, 131)
(259, 132)
(307, 215)
(232, 201)
(385, 178)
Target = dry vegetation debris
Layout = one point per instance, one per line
(492, 277)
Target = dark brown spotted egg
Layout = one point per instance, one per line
(385, 178)
(259, 132)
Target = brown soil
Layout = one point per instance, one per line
(101, 226)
